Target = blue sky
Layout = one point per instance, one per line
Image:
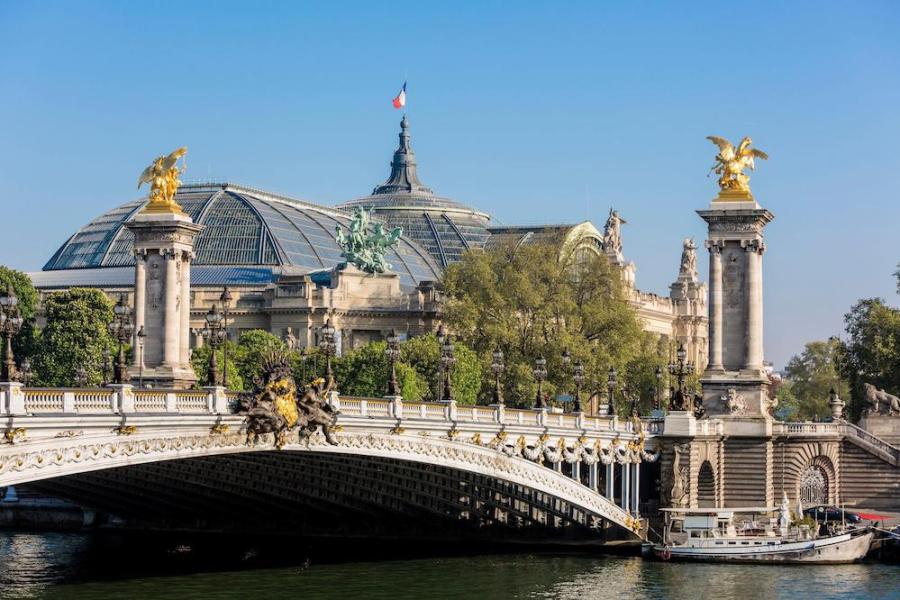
(533, 112)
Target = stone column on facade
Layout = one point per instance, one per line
(609, 481)
(140, 300)
(754, 325)
(636, 489)
(171, 316)
(715, 305)
(185, 325)
(626, 484)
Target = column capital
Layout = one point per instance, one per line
(140, 254)
(755, 245)
(714, 246)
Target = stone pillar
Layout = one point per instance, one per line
(140, 300)
(753, 357)
(163, 243)
(636, 489)
(610, 472)
(172, 314)
(715, 306)
(185, 306)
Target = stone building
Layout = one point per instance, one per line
(279, 258)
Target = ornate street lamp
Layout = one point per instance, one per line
(214, 335)
(448, 359)
(107, 366)
(392, 352)
(566, 361)
(140, 340)
(657, 402)
(611, 382)
(225, 299)
(121, 329)
(25, 372)
(497, 367)
(681, 399)
(329, 348)
(540, 373)
(10, 324)
(81, 377)
(578, 376)
(304, 356)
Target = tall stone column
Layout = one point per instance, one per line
(753, 359)
(162, 296)
(140, 300)
(715, 306)
(185, 306)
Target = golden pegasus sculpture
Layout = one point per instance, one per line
(730, 165)
(162, 175)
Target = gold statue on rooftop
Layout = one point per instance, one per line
(730, 165)
(162, 175)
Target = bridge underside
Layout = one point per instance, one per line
(314, 493)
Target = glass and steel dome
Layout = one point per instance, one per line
(443, 227)
(248, 237)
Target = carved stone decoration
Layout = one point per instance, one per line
(679, 495)
(276, 406)
(733, 402)
(290, 340)
(879, 402)
(612, 233)
(363, 249)
(688, 259)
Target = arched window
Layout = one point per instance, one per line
(706, 486)
(813, 485)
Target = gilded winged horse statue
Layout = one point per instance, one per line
(162, 175)
(731, 162)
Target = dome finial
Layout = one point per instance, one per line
(403, 176)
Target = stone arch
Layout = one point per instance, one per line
(706, 486)
(793, 458)
(816, 482)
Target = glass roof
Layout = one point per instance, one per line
(241, 227)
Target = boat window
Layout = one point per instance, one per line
(719, 543)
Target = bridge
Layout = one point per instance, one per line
(157, 455)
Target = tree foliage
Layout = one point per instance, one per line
(811, 375)
(366, 372)
(871, 353)
(76, 334)
(538, 299)
(250, 353)
(423, 354)
(25, 343)
(200, 362)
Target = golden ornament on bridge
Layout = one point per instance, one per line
(730, 165)
(162, 175)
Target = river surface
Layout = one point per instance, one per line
(80, 566)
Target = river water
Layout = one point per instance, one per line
(80, 566)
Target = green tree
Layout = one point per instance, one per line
(76, 334)
(252, 348)
(423, 354)
(365, 372)
(538, 299)
(200, 363)
(25, 343)
(812, 374)
(871, 353)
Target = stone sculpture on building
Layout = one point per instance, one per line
(689, 258)
(612, 233)
(879, 402)
(162, 175)
(366, 250)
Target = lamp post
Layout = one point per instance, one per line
(81, 377)
(304, 356)
(10, 324)
(578, 376)
(611, 382)
(107, 366)
(680, 369)
(448, 359)
(393, 353)
(657, 401)
(328, 347)
(566, 361)
(25, 372)
(225, 299)
(497, 367)
(140, 339)
(121, 328)
(540, 373)
(213, 334)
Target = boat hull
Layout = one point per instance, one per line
(839, 549)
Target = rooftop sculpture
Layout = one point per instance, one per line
(730, 165)
(363, 249)
(162, 175)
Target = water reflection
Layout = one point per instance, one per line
(84, 567)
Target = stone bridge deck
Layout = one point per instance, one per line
(568, 464)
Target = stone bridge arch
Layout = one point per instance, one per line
(403, 480)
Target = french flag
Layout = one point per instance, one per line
(400, 100)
